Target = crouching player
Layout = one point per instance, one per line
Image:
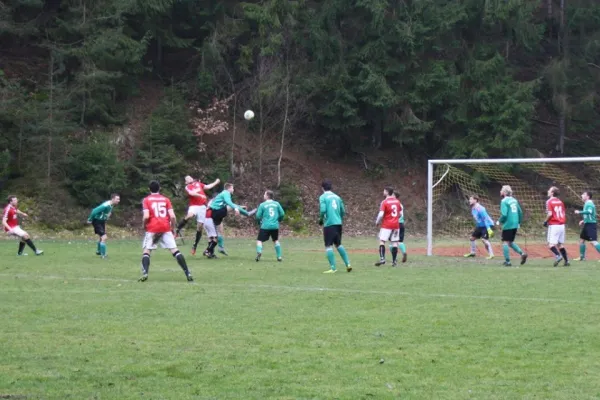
(10, 222)
(483, 227)
(98, 218)
(159, 222)
(269, 215)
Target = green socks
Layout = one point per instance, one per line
(505, 252)
(220, 240)
(330, 258)
(516, 248)
(582, 250)
(597, 246)
(343, 254)
(98, 248)
(102, 249)
(402, 247)
(259, 249)
(278, 250)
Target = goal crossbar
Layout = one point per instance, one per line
(433, 162)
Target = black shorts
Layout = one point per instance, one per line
(332, 235)
(99, 227)
(509, 235)
(401, 233)
(265, 234)
(219, 215)
(589, 232)
(480, 232)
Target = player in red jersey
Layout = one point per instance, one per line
(197, 206)
(555, 221)
(389, 216)
(10, 223)
(159, 221)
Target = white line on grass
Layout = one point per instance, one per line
(324, 289)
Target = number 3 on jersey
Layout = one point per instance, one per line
(394, 210)
(160, 209)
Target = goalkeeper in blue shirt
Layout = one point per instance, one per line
(483, 227)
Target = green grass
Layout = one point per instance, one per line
(74, 326)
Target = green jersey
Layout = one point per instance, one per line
(270, 214)
(223, 199)
(589, 212)
(401, 220)
(511, 214)
(331, 209)
(102, 212)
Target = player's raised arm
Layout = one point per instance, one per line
(212, 185)
(230, 203)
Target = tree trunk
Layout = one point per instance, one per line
(285, 119)
(231, 154)
(564, 35)
(50, 116)
(260, 140)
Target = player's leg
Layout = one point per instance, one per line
(167, 241)
(328, 238)
(147, 246)
(401, 245)
(340, 248)
(262, 237)
(561, 239)
(27, 239)
(103, 245)
(485, 238)
(394, 251)
(383, 236)
(200, 220)
(190, 214)
(508, 238)
(473, 246)
(277, 244)
(221, 240)
(552, 239)
(21, 248)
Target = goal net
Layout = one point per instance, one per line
(452, 182)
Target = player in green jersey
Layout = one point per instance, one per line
(98, 218)
(269, 215)
(588, 223)
(401, 244)
(511, 217)
(331, 216)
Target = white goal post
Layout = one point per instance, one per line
(463, 171)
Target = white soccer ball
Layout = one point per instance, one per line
(249, 115)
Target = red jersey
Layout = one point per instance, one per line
(199, 187)
(557, 208)
(392, 209)
(10, 213)
(158, 206)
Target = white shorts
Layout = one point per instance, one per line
(166, 241)
(199, 212)
(392, 235)
(556, 234)
(16, 233)
(209, 228)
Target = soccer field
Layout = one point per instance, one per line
(75, 326)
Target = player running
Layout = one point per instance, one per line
(589, 231)
(555, 222)
(389, 217)
(10, 222)
(218, 209)
(98, 218)
(331, 216)
(511, 216)
(269, 215)
(159, 221)
(401, 244)
(197, 207)
(483, 228)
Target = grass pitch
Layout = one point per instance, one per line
(75, 326)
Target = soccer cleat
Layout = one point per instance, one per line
(404, 257)
(580, 259)
(144, 278)
(39, 252)
(348, 268)
(523, 258)
(258, 257)
(489, 258)
(222, 251)
(567, 264)
(190, 278)
(98, 253)
(280, 259)
(211, 256)
(469, 255)
(507, 264)
(557, 261)
(330, 271)
(380, 263)
(104, 257)
(395, 264)
(21, 254)
(193, 251)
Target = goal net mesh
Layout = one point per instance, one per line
(454, 184)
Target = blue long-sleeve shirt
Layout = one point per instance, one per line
(482, 218)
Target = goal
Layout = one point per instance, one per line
(451, 183)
